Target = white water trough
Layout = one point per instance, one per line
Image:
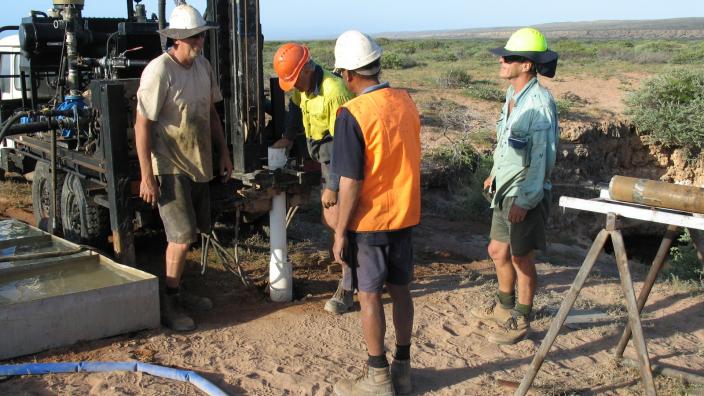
(47, 302)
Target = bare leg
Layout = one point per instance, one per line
(373, 322)
(527, 277)
(175, 260)
(403, 312)
(505, 272)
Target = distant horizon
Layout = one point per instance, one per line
(318, 20)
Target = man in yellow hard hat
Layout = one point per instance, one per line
(519, 183)
(316, 97)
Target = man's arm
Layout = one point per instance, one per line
(148, 187)
(347, 201)
(218, 134)
(530, 192)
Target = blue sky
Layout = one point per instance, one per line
(311, 19)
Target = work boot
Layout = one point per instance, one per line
(515, 329)
(341, 302)
(374, 382)
(172, 315)
(492, 311)
(193, 302)
(401, 376)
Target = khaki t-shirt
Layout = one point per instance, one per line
(178, 101)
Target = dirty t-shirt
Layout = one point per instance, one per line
(178, 101)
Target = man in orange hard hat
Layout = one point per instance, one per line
(316, 97)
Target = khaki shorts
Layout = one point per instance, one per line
(523, 237)
(184, 207)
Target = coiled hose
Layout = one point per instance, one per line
(100, 367)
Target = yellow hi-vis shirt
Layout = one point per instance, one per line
(319, 108)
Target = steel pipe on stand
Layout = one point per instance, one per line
(280, 271)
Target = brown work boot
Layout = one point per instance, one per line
(374, 382)
(341, 302)
(401, 376)
(194, 302)
(172, 315)
(492, 311)
(515, 329)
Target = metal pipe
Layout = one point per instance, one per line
(657, 194)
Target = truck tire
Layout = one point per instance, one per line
(41, 195)
(83, 220)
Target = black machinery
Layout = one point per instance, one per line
(74, 123)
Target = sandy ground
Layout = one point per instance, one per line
(247, 345)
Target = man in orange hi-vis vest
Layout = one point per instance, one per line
(376, 153)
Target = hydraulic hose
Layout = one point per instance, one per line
(40, 126)
(100, 367)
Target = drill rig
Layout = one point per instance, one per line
(73, 124)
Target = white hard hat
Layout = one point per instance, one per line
(185, 21)
(354, 50)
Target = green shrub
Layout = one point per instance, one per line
(669, 108)
(392, 60)
(454, 78)
(684, 264)
(427, 44)
(690, 56)
(564, 106)
(444, 56)
(486, 92)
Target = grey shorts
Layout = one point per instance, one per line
(378, 259)
(184, 207)
(523, 237)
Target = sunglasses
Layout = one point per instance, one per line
(514, 58)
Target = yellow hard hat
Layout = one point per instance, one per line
(530, 44)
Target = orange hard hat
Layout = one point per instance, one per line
(288, 63)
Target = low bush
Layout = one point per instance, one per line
(485, 91)
(669, 108)
(454, 78)
(684, 264)
(395, 61)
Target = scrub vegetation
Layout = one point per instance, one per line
(668, 108)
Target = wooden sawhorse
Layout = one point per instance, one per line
(613, 210)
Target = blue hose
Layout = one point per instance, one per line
(98, 367)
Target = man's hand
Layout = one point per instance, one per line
(282, 143)
(329, 198)
(225, 167)
(149, 190)
(488, 181)
(339, 247)
(516, 214)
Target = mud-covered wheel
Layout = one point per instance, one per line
(83, 220)
(41, 195)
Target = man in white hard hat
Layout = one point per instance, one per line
(519, 183)
(376, 153)
(174, 131)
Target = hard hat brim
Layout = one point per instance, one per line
(536, 56)
(180, 34)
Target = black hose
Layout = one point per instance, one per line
(10, 122)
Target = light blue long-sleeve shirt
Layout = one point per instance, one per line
(526, 146)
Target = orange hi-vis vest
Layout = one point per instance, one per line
(390, 194)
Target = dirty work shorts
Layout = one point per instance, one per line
(525, 236)
(377, 259)
(184, 207)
